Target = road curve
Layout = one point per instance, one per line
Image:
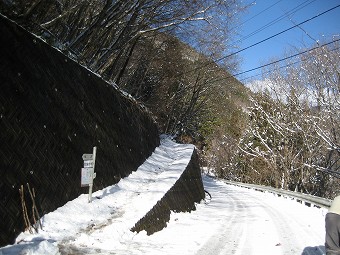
(258, 223)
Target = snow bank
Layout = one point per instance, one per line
(117, 207)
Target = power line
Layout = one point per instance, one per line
(264, 40)
(258, 14)
(281, 67)
(277, 61)
(283, 59)
(292, 11)
(270, 37)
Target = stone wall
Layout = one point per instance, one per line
(182, 196)
(52, 111)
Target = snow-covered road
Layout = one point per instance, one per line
(235, 221)
(257, 223)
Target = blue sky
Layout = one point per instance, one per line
(262, 12)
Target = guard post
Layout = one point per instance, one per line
(87, 172)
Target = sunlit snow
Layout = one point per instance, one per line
(234, 221)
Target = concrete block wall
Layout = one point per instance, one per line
(181, 197)
(52, 111)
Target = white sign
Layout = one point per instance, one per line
(88, 163)
(87, 157)
(87, 173)
(87, 176)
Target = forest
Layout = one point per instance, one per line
(168, 55)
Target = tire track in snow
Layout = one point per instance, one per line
(295, 231)
(256, 223)
(235, 225)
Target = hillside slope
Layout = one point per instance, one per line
(52, 111)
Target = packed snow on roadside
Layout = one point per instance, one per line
(103, 226)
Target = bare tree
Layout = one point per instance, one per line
(295, 124)
(138, 44)
(103, 34)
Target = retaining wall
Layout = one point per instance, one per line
(52, 111)
(181, 197)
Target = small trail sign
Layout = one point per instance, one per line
(87, 157)
(87, 172)
(87, 176)
(88, 164)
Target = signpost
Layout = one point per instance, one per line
(87, 172)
